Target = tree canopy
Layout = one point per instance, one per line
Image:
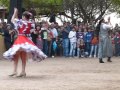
(44, 6)
(117, 4)
(41, 6)
(4, 3)
(85, 9)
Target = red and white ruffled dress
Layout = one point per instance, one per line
(23, 42)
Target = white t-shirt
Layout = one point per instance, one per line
(55, 33)
(72, 36)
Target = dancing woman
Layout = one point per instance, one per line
(22, 45)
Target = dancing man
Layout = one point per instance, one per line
(105, 45)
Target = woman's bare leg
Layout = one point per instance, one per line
(16, 57)
(23, 56)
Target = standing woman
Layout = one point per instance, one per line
(22, 44)
(39, 42)
(105, 45)
(8, 34)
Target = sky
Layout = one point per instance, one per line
(114, 18)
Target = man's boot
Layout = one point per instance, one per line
(109, 59)
(100, 60)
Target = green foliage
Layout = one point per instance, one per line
(44, 6)
(49, 2)
(116, 3)
(4, 3)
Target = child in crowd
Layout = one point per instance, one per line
(94, 46)
(87, 38)
(80, 36)
(73, 39)
(82, 48)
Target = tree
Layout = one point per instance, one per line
(41, 6)
(4, 2)
(86, 9)
(116, 3)
(44, 6)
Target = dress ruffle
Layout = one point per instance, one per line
(24, 44)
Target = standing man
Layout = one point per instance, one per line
(73, 40)
(54, 39)
(44, 36)
(105, 45)
(65, 33)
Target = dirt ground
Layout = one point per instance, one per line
(63, 74)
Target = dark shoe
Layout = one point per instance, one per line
(109, 59)
(100, 60)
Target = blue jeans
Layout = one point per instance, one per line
(53, 52)
(66, 47)
(45, 46)
(93, 49)
(72, 48)
(78, 52)
(88, 47)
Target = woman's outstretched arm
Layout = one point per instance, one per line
(14, 15)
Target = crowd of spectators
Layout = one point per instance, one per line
(68, 40)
